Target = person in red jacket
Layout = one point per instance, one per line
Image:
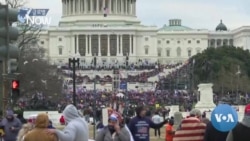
(170, 130)
(62, 121)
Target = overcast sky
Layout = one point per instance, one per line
(194, 13)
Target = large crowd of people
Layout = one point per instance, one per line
(145, 71)
(194, 127)
(86, 99)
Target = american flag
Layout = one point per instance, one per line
(105, 11)
(142, 130)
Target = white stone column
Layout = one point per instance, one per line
(69, 5)
(99, 45)
(86, 46)
(129, 4)
(134, 45)
(130, 44)
(134, 8)
(85, 6)
(126, 7)
(63, 8)
(108, 36)
(77, 43)
(82, 6)
(74, 6)
(90, 45)
(116, 6)
(71, 8)
(97, 7)
(110, 6)
(134, 13)
(79, 7)
(121, 45)
(91, 7)
(117, 45)
(103, 4)
(122, 9)
(73, 44)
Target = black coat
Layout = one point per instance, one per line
(212, 134)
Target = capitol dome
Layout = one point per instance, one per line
(221, 27)
(175, 25)
(83, 12)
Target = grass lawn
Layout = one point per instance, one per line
(152, 136)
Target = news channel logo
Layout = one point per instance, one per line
(224, 117)
(34, 16)
(22, 14)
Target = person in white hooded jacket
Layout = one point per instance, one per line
(76, 127)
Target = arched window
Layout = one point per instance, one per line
(60, 50)
(146, 48)
(189, 53)
(159, 52)
(178, 51)
(198, 50)
(168, 52)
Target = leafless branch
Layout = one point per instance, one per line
(28, 34)
(16, 3)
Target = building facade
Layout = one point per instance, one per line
(110, 30)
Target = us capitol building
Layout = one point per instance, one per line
(110, 30)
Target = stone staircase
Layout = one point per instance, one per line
(162, 74)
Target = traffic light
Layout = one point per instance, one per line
(15, 85)
(15, 88)
(8, 34)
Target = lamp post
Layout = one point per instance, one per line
(72, 64)
(94, 104)
(126, 89)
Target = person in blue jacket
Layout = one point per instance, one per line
(139, 125)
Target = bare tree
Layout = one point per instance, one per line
(27, 32)
(16, 3)
(35, 73)
(38, 76)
